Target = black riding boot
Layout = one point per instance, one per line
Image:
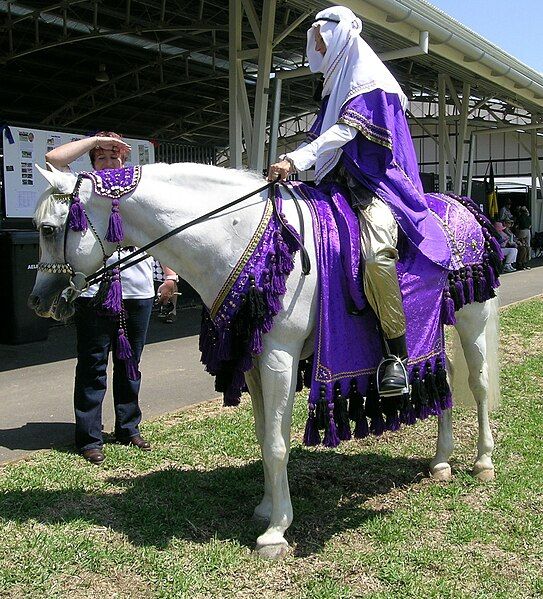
(394, 379)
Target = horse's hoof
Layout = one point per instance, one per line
(441, 472)
(272, 552)
(484, 475)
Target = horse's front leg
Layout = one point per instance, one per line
(277, 372)
(471, 325)
(254, 383)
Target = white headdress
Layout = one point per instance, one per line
(350, 67)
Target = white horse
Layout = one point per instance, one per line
(204, 255)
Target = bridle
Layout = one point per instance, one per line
(79, 282)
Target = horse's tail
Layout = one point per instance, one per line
(458, 368)
(492, 334)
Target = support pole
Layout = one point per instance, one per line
(234, 120)
(443, 132)
(471, 154)
(256, 160)
(461, 139)
(274, 125)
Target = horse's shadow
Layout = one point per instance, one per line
(331, 493)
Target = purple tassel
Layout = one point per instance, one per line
(491, 277)
(115, 231)
(278, 284)
(256, 342)
(407, 414)
(292, 240)
(132, 371)
(124, 351)
(448, 311)
(392, 422)
(469, 279)
(460, 291)
(114, 297)
(496, 247)
(284, 260)
(331, 438)
(377, 425)
(311, 434)
(232, 397)
(77, 219)
(357, 412)
(361, 429)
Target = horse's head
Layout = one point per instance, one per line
(63, 252)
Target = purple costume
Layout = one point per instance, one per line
(382, 158)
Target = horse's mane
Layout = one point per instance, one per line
(206, 173)
(44, 207)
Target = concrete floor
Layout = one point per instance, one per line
(36, 379)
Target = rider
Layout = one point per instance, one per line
(361, 139)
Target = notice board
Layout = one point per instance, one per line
(25, 147)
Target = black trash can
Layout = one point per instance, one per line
(18, 249)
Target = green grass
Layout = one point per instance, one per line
(368, 522)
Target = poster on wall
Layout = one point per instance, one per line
(25, 147)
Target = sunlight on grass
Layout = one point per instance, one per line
(176, 522)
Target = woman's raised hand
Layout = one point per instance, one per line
(109, 143)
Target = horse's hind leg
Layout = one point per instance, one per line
(439, 466)
(277, 371)
(263, 510)
(471, 323)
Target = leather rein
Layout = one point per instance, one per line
(80, 282)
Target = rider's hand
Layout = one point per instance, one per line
(280, 169)
(166, 291)
(110, 143)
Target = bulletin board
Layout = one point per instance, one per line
(26, 147)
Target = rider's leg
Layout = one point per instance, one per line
(379, 235)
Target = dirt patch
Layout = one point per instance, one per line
(519, 348)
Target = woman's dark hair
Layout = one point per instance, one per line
(123, 152)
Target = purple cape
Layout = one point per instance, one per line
(382, 158)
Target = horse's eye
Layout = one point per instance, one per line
(47, 230)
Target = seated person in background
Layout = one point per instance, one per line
(523, 254)
(505, 212)
(509, 248)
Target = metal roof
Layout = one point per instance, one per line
(167, 62)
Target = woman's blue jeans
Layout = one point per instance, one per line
(96, 336)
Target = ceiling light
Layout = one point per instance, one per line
(102, 75)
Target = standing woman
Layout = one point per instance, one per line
(97, 333)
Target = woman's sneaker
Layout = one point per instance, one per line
(508, 268)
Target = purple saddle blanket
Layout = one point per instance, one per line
(348, 346)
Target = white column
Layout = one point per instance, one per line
(443, 132)
(234, 99)
(256, 160)
(461, 139)
(274, 125)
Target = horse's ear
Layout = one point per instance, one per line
(50, 176)
(64, 182)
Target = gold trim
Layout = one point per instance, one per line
(345, 120)
(226, 288)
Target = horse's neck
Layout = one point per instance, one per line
(204, 254)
